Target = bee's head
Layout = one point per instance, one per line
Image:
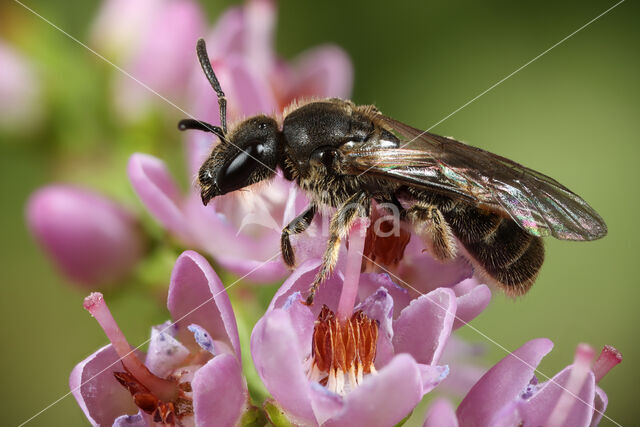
(249, 155)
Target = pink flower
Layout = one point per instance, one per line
(242, 229)
(392, 247)
(190, 363)
(91, 239)
(154, 40)
(509, 393)
(20, 91)
(332, 369)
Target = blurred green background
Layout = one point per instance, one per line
(572, 114)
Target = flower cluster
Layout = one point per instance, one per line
(378, 336)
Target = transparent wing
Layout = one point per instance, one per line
(539, 204)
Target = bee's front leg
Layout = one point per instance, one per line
(296, 226)
(355, 206)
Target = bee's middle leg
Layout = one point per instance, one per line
(429, 223)
(356, 206)
(296, 226)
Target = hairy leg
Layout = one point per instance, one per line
(356, 206)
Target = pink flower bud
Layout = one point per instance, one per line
(91, 239)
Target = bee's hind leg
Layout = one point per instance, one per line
(429, 223)
(355, 206)
(296, 226)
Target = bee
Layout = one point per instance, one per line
(345, 156)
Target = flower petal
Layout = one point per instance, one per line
(250, 87)
(156, 188)
(280, 365)
(471, 304)
(441, 414)
(165, 352)
(168, 46)
(600, 403)
(432, 376)
(502, 383)
(196, 295)
(219, 392)
(300, 281)
(303, 318)
(536, 410)
(324, 72)
(100, 396)
(371, 282)
(255, 271)
(423, 273)
(137, 420)
(21, 91)
(423, 327)
(372, 404)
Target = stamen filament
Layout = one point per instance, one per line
(357, 236)
(163, 389)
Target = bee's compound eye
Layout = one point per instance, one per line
(324, 156)
(237, 173)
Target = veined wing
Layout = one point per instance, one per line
(539, 204)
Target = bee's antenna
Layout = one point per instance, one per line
(186, 124)
(203, 57)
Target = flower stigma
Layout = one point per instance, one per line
(165, 399)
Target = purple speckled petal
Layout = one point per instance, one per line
(423, 327)
(137, 420)
(92, 240)
(220, 393)
(372, 404)
(535, 411)
(600, 403)
(502, 383)
(100, 396)
(165, 352)
(371, 282)
(325, 72)
(471, 305)
(196, 295)
(441, 414)
(207, 343)
(156, 188)
(280, 365)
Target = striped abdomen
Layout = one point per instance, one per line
(498, 247)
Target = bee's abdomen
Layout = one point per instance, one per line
(500, 249)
